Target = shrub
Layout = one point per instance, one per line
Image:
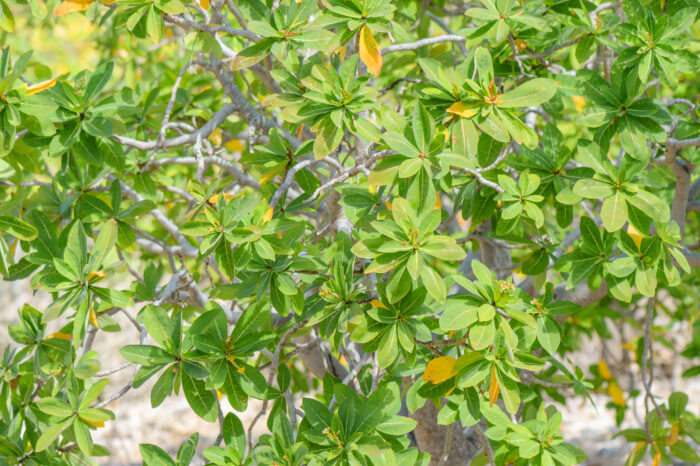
(392, 222)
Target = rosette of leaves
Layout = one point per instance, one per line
(617, 108)
(536, 440)
(491, 109)
(340, 295)
(235, 221)
(624, 190)
(226, 354)
(19, 108)
(278, 157)
(358, 428)
(550, 163)
(349, 17)
(500, 17)
(331, 104)
(416, 143)
(519, 198)
(667, 436)
(72, 410)
(176, 354)
(392, 329)
(284, 29)
(145, 18)
(595, 28)
(403, 245)
(75, 277)
(653, 42)
(484, 308)
(284, 446)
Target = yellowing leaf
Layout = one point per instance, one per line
(493, 387)
(218, 395)
(672, 435)
(93, 317)
(272, 173)
(638, 447)
(93, 423)
(369, 51)
(440, 369)
(268, 215)
(234, 145)
(616, 394)
(464, 110)
(59, 335)
(636, 236)
(604, 370)
(521, 44)
(377, 303)
(215, 137)
(579, 102)
(48, 84)
(657, 459)
(204, 4)
(96, 276)
(70, 6)
(215, 198)
(438, 203)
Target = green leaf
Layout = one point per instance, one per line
(17, 227)
(532, 92)
(548, 334)
(202, 401)
(155, 456)
(614, 212)
(433, 283)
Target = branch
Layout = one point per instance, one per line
(422, 43)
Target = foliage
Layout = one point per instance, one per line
(348, 210)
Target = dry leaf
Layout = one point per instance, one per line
(70, 6)
(440, 369)
(41, 86)
(369, 51)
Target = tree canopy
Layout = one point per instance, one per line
(395, 223)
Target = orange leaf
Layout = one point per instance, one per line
(603, 370)
(204, 4)
(493, 387)
(70, 6)
(440, 369)
(41, 86)
(369, 51)
(464, 110)
(268, 215)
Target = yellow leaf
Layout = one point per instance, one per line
(234, 145)
(387, 204)
(438, 203)
(13, 247)
(48, 84)
(639, 446)
(272, 173)
(604, 370)
(440, 369)
(657, 459)
(521, 44)
(93, 317)
(215, 198)
(579, 102)
(96, 276)
(204, 4)
(93, 423)
(70, 6)
(464, 110)
(218, 395)
(636, 236)
(493, 387)
(342, 52)
(215, 137)
(672, 435)
(369, 51)
(616, 394)
(377, 303)
(268, 215)
(59, 335)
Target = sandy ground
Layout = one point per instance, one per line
(173, 422)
